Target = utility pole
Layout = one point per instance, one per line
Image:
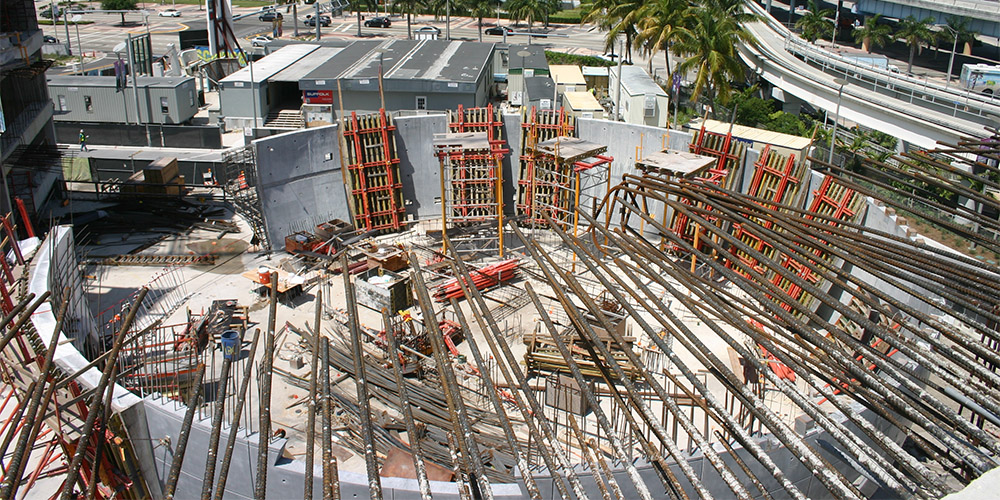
(316, 19)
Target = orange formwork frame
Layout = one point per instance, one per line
(374, 172)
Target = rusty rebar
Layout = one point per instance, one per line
(227, 458)
(265, 372)
(311, 421)
(192, 407)
(73, 472)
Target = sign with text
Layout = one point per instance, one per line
(317, 96)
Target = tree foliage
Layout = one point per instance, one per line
(816, 22)
(710, 45)
(119, 5)
(872, 34)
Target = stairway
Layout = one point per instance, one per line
(285, 118)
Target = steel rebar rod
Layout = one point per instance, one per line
(850, 363)
(602, 419)
(73, 472)
(185, 432)
(265, 372)
(311, 421)
(883, 362)
(491, 391)
(15, 423)
(883, 468)
(327, 404)
(22, 452)
(105, 420)
(211, 460)
(464, 437)
(525, 400)
(411, 428)
(587, 453)
(241, 398)
(15, 330)
(361, 383)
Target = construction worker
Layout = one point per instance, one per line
(83, 141)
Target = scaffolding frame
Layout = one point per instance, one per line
(537, 126)
(567, 173)
(471, 190)
(241, 185)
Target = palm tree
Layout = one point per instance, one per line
(710, 45)
(815, 23)
(408, 7)
(915, 34)
(617, 17)
(479, 9)
(532, 10)
(872, 34)
(661, 23)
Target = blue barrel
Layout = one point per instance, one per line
(230, 344)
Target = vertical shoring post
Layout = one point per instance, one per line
(213, 441)
(522, 464)
(367, 432)
(464, 435)
(311, 421)
(237, 414)
(175, 465)
(73, 472)
(22, 452)
(266, 367)
(404, 403)
(542, 434)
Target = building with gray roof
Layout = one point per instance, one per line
(643, 101)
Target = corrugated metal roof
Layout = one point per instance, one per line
(755, 134)
(636, 81)
(109, 81)
(274, 63)
(582, 101)
(301, 68)
(439, 60)
(567, 74)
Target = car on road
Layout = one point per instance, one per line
(430, 29)
(170, 13)
(379, 22)
(500, 30)
(50, 39)
(323, 21)
(261, 40)
(268, 16)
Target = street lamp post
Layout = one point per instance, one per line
(836, 117)
(951, 60)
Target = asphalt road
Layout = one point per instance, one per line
(106, 31)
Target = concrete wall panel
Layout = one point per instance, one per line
(300, 181)
(419, 169)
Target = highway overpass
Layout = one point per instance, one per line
(918, 112)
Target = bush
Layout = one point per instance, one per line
(575, 59)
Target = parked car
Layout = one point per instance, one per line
(261, 40)
(500, 30)
(50, 39)
(47, 13)
(170, 13)
(430, 29)
(323, 21)
(379, 22)
(268, 16)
